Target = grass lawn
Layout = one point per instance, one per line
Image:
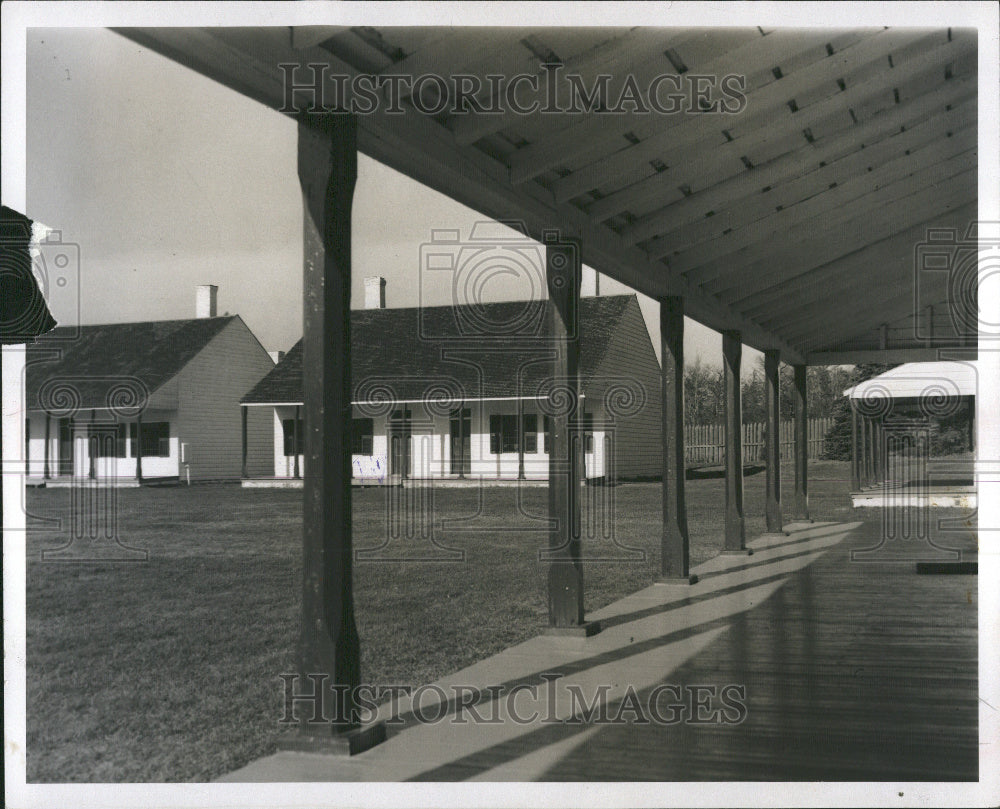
(167, 670)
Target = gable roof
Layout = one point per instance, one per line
(490, 350)
(96, 360)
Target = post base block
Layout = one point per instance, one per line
(736, 552)
(345, 743)
(691, 579)
(584, 630)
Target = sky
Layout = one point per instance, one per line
(167, 180)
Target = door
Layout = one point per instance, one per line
(65, 466)
(399, 443)
(461, 441)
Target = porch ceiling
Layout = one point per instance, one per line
(794, 220)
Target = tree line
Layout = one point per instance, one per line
(704, 402)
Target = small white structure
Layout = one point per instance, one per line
(434, 400)
(137, 402)
(892, 416)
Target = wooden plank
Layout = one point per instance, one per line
(630, 43)
(855, 316)
(308, 36)
(896, 179)
(890, 253)
(718, 178)
(675, 543)
(608, 166)
(598, 137)
(535, 159)
(798, 175)
(769, 107)
(882, 213)
(898, 272)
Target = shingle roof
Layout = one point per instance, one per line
(95, 361)
(408, 352)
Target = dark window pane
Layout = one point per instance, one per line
(289, 437)
(530, 432)
(362, 434)
(155, 439)
(495, 426)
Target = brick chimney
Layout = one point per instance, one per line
(590, 283)
(205, 301)
(374, 292)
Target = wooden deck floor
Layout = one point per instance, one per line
(852, 671)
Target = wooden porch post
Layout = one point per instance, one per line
(772, 450)
(972, 423)
(855, 450)
(328, 650)
(879, 476)
(461, 439)
(675, 542)
(732, 351)
(91, 448)
(800, 504)
(565, 576)
(520, 439)
(138, 448)
(47, 473)
(295, 444)
(243, 419)
(871, 451)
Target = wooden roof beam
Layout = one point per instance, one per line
(763, 106)
(831, 213)
(918, 119)
(839, 242)
(856, 267)
(601, 136)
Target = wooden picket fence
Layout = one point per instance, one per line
(705, 443)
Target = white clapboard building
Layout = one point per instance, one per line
(452, 392)
(144, 402)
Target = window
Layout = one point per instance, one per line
(547, 429)
(155, 439)
(530, 432)
(362, 436)
(293, 437)
(503, 433)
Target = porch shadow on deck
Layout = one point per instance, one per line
(852, 671)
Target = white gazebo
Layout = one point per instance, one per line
(892, 416)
